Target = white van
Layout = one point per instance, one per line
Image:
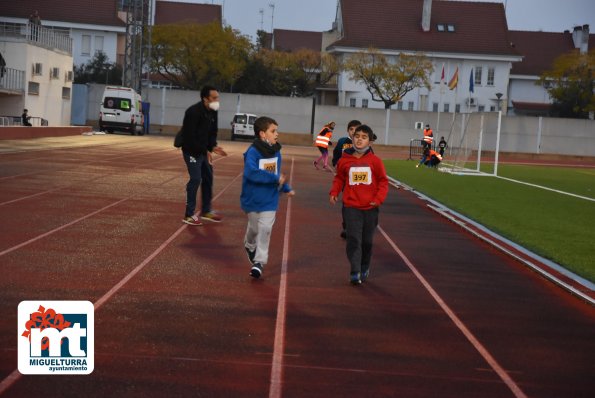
(242, 126)
(121, 110)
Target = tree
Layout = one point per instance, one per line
(570, 84)
(281, 73)
(193, 55)
(388, 81)
(98, 70)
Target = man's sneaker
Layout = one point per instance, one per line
(365, 275)
(211, 216)
(251, 254)
(192, 220)
(256, 270)
(355, 278)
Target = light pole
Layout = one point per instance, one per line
(499, 95)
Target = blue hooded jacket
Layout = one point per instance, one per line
(260, 184)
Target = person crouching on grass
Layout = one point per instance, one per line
(361, 177)
(261, 184)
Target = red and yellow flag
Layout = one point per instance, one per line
(452, 84)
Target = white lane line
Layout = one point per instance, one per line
(279, 344)
(547, 188)
(518, 393)
(16, 375)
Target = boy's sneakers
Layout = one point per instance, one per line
(192, 220)
(211, 216)
(354, 278)
(256, 270)
(251, 254)
(365, 275)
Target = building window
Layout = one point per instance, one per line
(54, 73)
(98, 43)
(458, 108)
(364, 103)
(400, 105)
(86, 45)
(450, 27)
(410, 106)
(33, 88)
(492, 108)
(481, 108)
(66, 92)
(491, 73)
(446, 107)
(352, 102)
(478, 72)
(440, 27)
(434, 107)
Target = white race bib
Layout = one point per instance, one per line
(360, 175)
(269, 165)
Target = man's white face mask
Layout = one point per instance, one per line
(214, 105)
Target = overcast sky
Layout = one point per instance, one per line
(318, 15)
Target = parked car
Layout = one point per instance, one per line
(121, 110)
(242, 126)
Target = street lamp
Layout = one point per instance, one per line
(499, 95)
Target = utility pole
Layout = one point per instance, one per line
(272, 5)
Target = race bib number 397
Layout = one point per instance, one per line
(360, 175)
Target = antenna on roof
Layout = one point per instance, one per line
(272, 6)
(261, 12)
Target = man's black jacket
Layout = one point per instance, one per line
(199, 130)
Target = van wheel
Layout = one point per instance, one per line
(133, 129)
(142, 131)
(233, 137)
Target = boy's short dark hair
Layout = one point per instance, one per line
(262, 124)
(353, 123)
(366, 129)
(206, 91)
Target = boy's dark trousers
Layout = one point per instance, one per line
(360, 228)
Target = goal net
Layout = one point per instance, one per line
(472, 142)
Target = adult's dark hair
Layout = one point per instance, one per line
(366, 129)
(262, 124)
(353, 123)
(206, 91)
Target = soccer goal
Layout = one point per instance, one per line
(473, 141)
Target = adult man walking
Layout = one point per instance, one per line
(199, 131)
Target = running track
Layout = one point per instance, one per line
(176, 314)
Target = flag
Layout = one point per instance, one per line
(442, 81)
(452, 84)
(471, 81)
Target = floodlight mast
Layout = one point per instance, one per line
(138, 36)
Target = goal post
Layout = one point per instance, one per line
(473, 142)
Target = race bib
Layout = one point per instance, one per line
(269, 165)
(360, 175)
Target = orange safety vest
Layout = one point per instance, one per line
(436, 154)
(428, 136)
(323, 138)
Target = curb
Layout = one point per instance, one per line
(553, 272)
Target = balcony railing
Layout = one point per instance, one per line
(38, 35)
(12, 80)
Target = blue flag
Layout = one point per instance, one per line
(471, 81)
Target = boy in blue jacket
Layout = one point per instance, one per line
(261, 185)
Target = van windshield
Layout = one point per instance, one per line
(241, 119)
(252, 119)
(122, 104)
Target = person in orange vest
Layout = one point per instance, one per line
(323, 140)
(428, 137)
(430, 158)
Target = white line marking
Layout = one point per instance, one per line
(547, 189)
(16, 375)
(277, 365)
(518, 393)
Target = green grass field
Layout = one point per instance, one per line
(556, 226)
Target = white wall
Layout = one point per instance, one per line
(48, 104)
(524, 89)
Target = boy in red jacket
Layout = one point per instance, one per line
(362, 179)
